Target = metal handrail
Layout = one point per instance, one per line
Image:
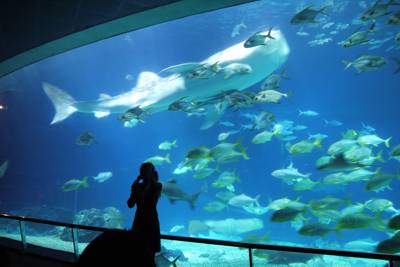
(317, 251)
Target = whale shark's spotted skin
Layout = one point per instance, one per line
(154, 93)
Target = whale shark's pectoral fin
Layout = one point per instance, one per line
(213, 114)
(101, 114)
(181, 68)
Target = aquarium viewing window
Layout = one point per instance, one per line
(268, 122)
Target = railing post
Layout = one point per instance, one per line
(250, 258)
(75, 242)
(23, 234)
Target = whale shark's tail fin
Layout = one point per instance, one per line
(62, 102)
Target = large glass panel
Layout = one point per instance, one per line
(10, 229)
(274, 121)
(49, 236)
(194, 254)
(281, 258)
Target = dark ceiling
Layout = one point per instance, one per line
(25, 24)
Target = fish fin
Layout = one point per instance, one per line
(256, 200)
(174, 144)
(372, 27)
(173, 263)
(243, 151)
(227, 75)
(167, 158)
(317, 143)
(387, 144)
(269, 34)
(62, 102)
(103, 96)
(213, 115)
(379, 156)
(85, 182)
(215, 67)
(193, 199)
(290, 165)
(288, 145)
(180, 68)
(101, 114)
(378, 223)
(323, 9)
(300, 112)
(146, 77)
(347, 63)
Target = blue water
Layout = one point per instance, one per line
(43, 157)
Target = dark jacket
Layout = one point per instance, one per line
(146, 224)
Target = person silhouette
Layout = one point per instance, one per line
(145, 192)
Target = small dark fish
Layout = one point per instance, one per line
(336, 163)
(183, 105)
(285, 215)
(390, 246)
(307, 15)
(314, 229)
(258, 39)
(377, 10)
(133, 113)
(262, 120)
(85, 139)
(287, 258)
(240, 99)
(358, 37)
(394, 19)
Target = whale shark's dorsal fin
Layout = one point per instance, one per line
(103, 96)
(146, 77)
(181, 68)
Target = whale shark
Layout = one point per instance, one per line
(234, 68)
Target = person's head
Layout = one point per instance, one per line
(148, 172)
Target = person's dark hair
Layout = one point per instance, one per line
(148, 168)
(145, 167)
